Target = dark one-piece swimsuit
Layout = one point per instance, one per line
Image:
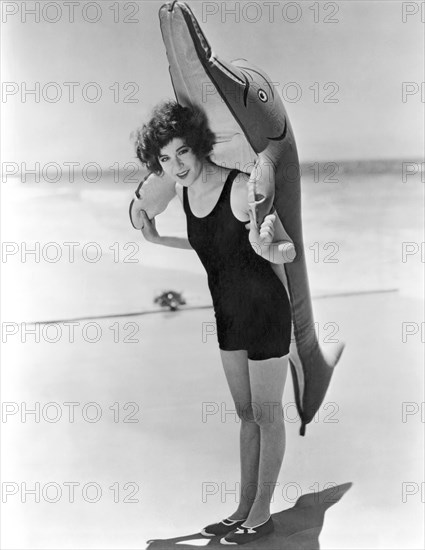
(251, 306)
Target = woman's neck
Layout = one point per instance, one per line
(211, 176)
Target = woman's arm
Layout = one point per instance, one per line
(175, 242)
(151, 234)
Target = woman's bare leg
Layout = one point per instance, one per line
(267, 380)
(235, 364)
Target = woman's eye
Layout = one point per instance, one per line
(163, 159)
(183, 151)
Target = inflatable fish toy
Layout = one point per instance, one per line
(255, 135)
(152, 195)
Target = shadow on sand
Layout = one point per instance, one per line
(297, 528)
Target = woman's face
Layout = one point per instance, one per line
(179, 162)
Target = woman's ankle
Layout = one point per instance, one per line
(240, 514)
(258, 515)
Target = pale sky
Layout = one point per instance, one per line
(367, 55)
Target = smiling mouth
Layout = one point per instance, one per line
(182, 175)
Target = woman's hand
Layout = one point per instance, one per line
(149, 229)
(151, 234)
(277, 252)
(262, 239)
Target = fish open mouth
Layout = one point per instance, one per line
(282, 135)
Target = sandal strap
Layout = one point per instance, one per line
(245, 531)
(230, 522)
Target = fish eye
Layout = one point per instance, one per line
(262, 96)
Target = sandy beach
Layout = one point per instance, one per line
(168, 364)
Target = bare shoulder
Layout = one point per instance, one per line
(239, 196)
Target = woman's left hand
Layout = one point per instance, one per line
(271, 242)
(263, 237)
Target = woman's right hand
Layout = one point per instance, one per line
(149, 229)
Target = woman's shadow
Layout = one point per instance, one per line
(297, 528)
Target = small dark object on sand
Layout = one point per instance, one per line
(170, 299)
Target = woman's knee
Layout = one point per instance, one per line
(262, 414)
(245, 412)
(267, 413)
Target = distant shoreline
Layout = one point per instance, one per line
(46, 173)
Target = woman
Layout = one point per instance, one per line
(251, 306)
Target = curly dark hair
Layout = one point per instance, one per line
(171, 120)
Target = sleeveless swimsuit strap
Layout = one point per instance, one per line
(222, 197)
